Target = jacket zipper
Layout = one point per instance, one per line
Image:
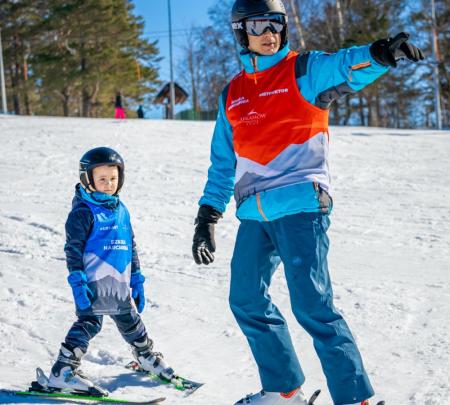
(358, 66)
(255, 68)
(258, 202)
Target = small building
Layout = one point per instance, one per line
(163, 97)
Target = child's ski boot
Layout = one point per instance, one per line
(151, 361)
(65, 375)
(295, 397)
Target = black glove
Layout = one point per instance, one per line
(388, 51)
(203, 244)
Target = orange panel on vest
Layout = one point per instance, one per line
(269, 114)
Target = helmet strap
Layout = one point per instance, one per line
(90, 188)
(90, 181)
(87, 183)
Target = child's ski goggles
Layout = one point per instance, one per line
(259, 25)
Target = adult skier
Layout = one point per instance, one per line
(270, 147)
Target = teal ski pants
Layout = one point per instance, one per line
(301, 243)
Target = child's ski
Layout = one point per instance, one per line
(177, 382)
(77, 398)
(40, 388)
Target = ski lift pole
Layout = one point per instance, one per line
(2, 77)
(172, 84)
(436, 60)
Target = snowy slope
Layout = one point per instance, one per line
(389, 259)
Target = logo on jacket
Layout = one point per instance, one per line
(253, 118)
(116, 244)
(102, 217)
(237, 102)
(274, 92)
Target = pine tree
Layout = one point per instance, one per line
(82, 52)
(17, 20)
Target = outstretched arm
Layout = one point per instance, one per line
(327, 77)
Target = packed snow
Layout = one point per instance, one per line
(389, 259)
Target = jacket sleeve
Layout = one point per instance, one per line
(78, 227)
(327, 77)
(135, 265)
(221, 174)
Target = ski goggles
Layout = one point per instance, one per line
(259, 24)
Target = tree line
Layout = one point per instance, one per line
(402, 99)
(70, 57)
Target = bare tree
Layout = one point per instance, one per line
(294, 9)
(192, 61)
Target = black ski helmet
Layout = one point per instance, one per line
(99, 157)
(243, 9)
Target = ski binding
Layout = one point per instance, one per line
(176, 381)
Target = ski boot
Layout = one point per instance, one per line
(151, 361)
(65, 375)
(295, 397)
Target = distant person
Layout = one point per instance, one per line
(270, 147)
(140, 112)
(104, 272)
(120, 111)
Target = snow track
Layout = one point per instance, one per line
(389, 258)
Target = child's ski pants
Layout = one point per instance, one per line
(87, 327)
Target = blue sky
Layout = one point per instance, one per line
(185, 13)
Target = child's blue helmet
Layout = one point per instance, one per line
(99, 157)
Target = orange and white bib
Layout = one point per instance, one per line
(279, 138)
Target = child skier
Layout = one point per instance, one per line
(103, 266)
(119, 110)
(270, 147)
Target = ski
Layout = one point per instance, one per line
(77, 397)
(313, 397)
(177, 382)
(316, 394)
(95, 395)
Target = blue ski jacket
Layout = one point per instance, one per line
(321, 78)
(100, 249)
(79, 226)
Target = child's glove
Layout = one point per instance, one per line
(80, 289)
(137, 290)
